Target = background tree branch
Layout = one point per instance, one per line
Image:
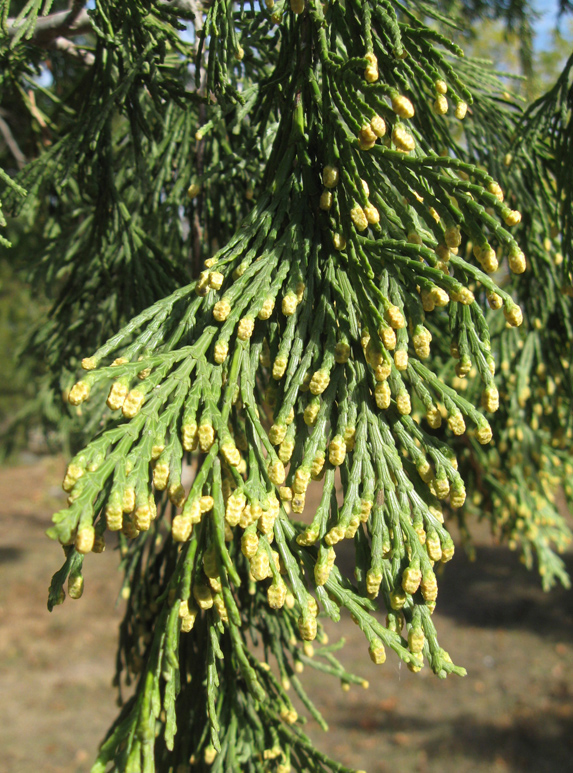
(76, 21)
(11, 143)
(62, 24)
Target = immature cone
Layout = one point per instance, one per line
(488, 260)
(307, 627)
(364, 144)
(311, 413)
(516, 260)
(249, 544)
(373, 583)
(330, 176)
(429, 586)
(289, 304)
(267, 308)
(277, 472)
(513, 314)
(323, 568)
(403, 139)
(359, 218)
(73, 474)
(403, 403)
(402, 106)
(484, 434)
(411, 579)
(372, 214)
(371, 71)
(117, 394)
(457, 496)
(464, 296)
(277, 434)
(301, 480)
(447, 550)
(79, 393)
(388, 337)
(334, 536)
(189, 437)
(142, 517)
(378, 126)
(395, 317)
(401, 359)
(75, 586)
(495, 188)
(188, 620)
(132, 403)
(416, 639)
(202, 286)
(350, 438)
(341, 352)
(452, 236)
(216, 280)
(221, 351)
(433, 545)
(338, 241)
(377, 652)
(128, 499)
(203, 595)
(456, 422)
(490, 398)
(206, 504)
(234, 507)
(221, 310)
(176, 493)
(114, 512)
(367, 136)
(260, 566)
(336, 450)
(317, 469)
(440, 105)
(286, 450)
(326, 199)
(276, 595)
(85, 539)
(513, 217)
(319, 381)
(245, 328)
(434, 417)
(231, 453)
(160, 475)
(421, 340)
(206, 435)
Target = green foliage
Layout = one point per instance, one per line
(354, 188)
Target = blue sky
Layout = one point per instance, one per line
(548, 10)
(548, 18)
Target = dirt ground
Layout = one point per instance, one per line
(513, 712)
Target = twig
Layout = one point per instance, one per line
(64, 23)
(76, 21)
(65, 45)
(13, 146)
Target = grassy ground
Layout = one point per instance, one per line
(513, 712)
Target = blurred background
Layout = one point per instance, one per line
(513, 711)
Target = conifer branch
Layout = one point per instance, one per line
(358, 318)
